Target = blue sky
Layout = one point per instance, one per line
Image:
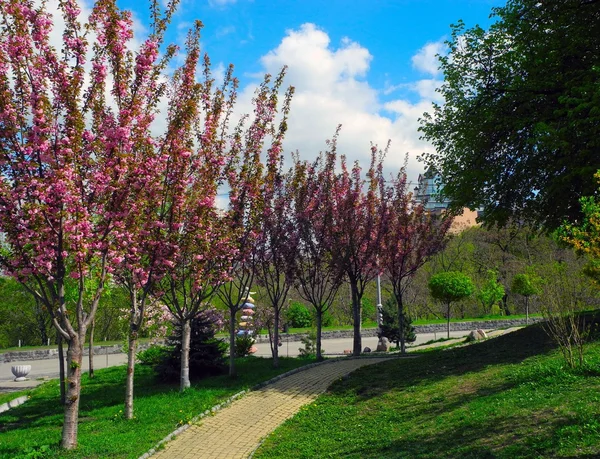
(368, 65)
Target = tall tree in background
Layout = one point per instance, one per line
(357, 208)
(411, 236)
(246, 206)
(276, 248)
(69, 160)
(318, 279)
(518, 133)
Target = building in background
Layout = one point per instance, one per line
(429, 192)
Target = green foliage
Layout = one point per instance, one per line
(492, 291)
(153, 355)
(243, 344)
(369, 310)
(518, 131)
(525, 284)
(585, 236)
(21, 317)
(309, 351)
(450, 286)
(298, 315)
(207, 354)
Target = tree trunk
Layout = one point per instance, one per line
(91, 351)
(185, 355)
(61, 368)
(448, 317)
(232, 371)
(356, 317)
(276, 339)
(319, 331)
(74, 361)
(505, 305)
(526, 311)
(131, 349)
(401, 325)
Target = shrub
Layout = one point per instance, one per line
(309, 351)
(390, 328)
(327, 318)
(153, 355)
(298, 316)
(207, 354)
(243, 344)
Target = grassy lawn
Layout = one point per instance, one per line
(7, 397)
(504, 398)
(33, 430)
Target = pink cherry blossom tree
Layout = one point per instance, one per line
(77, 149)
(318, 278)
(146, 252)
(245, 180)
(358, 224)
(411, 236)
(276, 247)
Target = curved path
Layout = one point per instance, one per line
(236, 431)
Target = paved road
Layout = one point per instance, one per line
(49, 368)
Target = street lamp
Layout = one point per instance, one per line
(380, 344)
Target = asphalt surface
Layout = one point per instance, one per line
(42, 370)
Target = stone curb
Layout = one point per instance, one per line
(234, 397)
(13, 403)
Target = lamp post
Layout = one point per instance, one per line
(379, 312)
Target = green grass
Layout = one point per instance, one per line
(35, 427)
(8, 396)
(507, 397)
(473, 319)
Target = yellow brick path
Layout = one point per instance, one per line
(235, 431)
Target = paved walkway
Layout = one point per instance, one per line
(236, 431)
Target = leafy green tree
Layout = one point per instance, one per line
(518, 133)
(525, 285)
(449, 287)
(492, 291)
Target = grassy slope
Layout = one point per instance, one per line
(508, 397)
(159, 409)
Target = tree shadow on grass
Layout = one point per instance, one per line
(437, 365)
(497, 437)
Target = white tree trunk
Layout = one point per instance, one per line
(185, 355)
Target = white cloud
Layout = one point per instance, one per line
(331, 90)
(223, 31)
(426, 58)
(220, 3)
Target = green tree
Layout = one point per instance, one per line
(491, 292)
(525, 285)
(449, 287)
(518, 133)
